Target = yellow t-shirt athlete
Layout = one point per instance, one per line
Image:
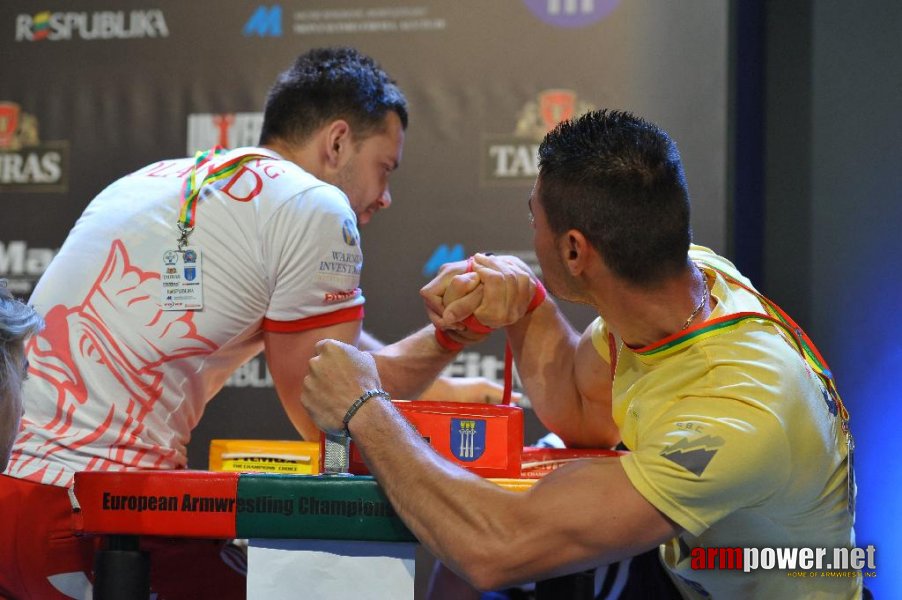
(738, 438)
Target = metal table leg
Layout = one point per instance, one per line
(121, 570)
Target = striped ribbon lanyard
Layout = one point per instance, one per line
(775, 315)
(191, 189)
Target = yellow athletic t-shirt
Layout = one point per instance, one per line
(732, 437)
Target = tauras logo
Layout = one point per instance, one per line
(26, 164)
(99, 25)
(515, 157)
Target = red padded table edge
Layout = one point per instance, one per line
(166, 503)
(539, 461)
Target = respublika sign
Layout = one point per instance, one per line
(98, 25)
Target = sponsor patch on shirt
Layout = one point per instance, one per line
(333, 297)
(695, 454)
(349, 232)
(340, 266)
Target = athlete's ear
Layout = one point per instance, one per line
(337, 143)
(575, 251)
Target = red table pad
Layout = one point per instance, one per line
(167, 503)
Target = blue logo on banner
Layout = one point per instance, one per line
(441, 256)
(265, 22)
(467, 438)
(190, 273)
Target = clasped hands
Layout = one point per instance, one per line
(470, 298)
(466, 301)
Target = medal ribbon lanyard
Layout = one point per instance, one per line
(191, 189)
(777, 316)
(812, 356)
(805, 346)
(807, 349)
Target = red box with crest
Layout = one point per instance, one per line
(483, 438)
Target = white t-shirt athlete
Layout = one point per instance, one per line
(118, 383)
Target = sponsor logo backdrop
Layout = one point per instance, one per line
(90, 91)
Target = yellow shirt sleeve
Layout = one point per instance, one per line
(599, 334)
(697, 468)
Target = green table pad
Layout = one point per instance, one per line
(327, 507)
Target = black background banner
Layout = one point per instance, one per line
(110, 87)
(91, 90)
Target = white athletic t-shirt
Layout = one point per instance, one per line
(117, 383)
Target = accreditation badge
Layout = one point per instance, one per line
(182, 280)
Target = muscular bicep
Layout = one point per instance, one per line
(592, 374)
(287, 355)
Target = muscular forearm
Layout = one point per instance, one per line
(494, 537)
(472, 525)
(410, 365)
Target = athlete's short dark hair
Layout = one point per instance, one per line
(325, 84)
(618, 179)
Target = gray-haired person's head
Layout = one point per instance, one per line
(18, 322)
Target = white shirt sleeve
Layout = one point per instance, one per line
(312, 254)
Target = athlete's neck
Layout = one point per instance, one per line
(641, 316)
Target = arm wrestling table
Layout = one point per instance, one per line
(338, 522)
(341, 515)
